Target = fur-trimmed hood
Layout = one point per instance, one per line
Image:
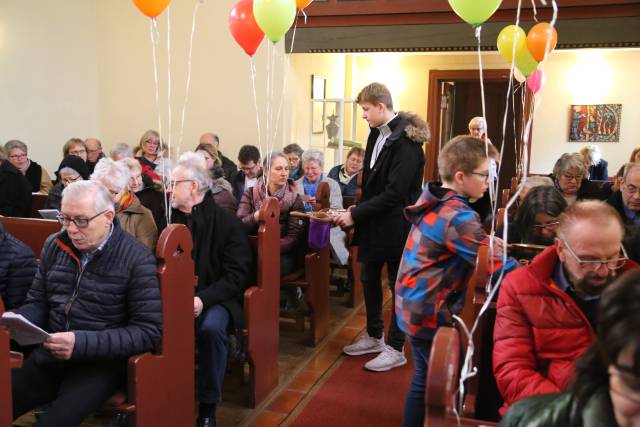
(417, 130)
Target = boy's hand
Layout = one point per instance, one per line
(344, 220)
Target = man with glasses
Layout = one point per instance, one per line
(97, 295)
(249, 170)
(627, 203)
(94, 152)
(547, 311)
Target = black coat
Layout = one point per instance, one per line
(237, 183)
(15, 192)
(631, 240)
(34, 176)
(17, 269)
(394, 183)
(228, 166)
(599, 172)
(116, 311)
(222, 256)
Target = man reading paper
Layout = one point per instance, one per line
(96, 292)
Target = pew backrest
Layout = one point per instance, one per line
(31, 231)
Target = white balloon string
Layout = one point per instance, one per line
(255, 102)
(166, 160)
(484, 115)
(186, 96)
(154, 41)
(535, 11)
(286, 65)
(305, 16)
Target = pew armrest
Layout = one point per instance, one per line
(15, 359)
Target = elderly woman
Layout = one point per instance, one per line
(598, 168)
(150, 153)
(150, 195)
(346, 174)
(606, 391)
(312, 164)
(283, 189)
(220, 188)
(294, 153)
(570, 177)
(17, 153)
(478, 127)
(75, 147)
(71, 169)
(15, 190)
(134, 218)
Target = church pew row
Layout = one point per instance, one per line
(313, 278)
(160, 386)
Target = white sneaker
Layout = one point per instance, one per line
(389, 358)
(364, 345)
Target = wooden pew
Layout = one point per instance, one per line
(6, 363)
(261, 306)
(442, 382)
(160, 386)
(314, 280)
(31, 231)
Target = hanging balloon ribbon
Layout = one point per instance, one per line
(244, 27)
(475, 12)
(274, 17)
(151, 8)
(541, 40)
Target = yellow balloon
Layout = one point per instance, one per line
(509, 36)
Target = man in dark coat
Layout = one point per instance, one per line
(627, 203)
(250, 170)
(223, 259)
(392, 180)
(15, 190)
(94, 153)
(96, 293)
(228, 166)
(17, 269)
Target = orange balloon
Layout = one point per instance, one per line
(541, 37)
(301, 4)
(151, 8)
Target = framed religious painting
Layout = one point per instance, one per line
(595, 123)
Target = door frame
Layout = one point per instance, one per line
(436, 77)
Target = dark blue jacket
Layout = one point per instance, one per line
(17, 268)
(346, 189)
(112, 304)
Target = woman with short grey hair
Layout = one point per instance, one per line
(134, 218)
(17, 153)
(121, 151)
(570, 177)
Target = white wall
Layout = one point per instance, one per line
(48, 78)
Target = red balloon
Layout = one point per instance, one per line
(244, 28)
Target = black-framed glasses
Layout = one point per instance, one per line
(484, 176)
(593, 265)
(576, 178)
(549, 226)
(173, 182)
(69, 180)
(79, 222)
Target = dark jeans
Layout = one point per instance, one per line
(372, 287)
(211, 336)
(414, 406)
(75, 390)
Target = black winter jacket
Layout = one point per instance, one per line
(631, 240)
(17, 269)
(15, 192)
(222, 256)
(112, 304)
(394, 183)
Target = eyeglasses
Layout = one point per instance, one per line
(593, 265)
(484, 176)
(152, 142)
(549, 226)
(576, 178)
(173, 182)
(79, 222)
(17, 156)
(77, 152)
(628, 188)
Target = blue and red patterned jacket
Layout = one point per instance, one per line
(440, 252)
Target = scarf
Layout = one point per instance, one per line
(125, 201)
(310, 189)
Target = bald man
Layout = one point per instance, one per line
(228, 166)
(94, 152)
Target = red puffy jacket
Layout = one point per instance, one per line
(539, 332)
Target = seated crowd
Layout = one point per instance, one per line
(550, 313)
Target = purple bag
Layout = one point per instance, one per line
(319, 232)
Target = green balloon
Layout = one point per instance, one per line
(274, 17)
(525, 62)
(475, 12)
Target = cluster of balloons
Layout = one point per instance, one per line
(251, 20)
(527, 50)
(151, 8)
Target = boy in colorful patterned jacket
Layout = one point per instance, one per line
(440, 251)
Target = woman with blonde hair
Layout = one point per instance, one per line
(220, 188)
(152, 154)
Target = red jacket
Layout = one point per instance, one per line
(539, 332)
